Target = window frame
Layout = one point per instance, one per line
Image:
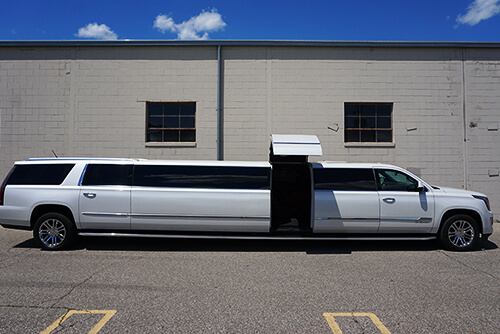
(163, 128)
(376, 129)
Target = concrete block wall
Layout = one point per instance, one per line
(483, 124)
(91, 100)
(113, 93)
(302, 90)
(34, 103)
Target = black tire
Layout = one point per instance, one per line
(459, 233)
(54, 231)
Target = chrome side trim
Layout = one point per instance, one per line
(105, 214)
(346, 219)
(264, 237)
(420, 220)
(147, 215)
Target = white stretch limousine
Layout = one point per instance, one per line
(287, 198)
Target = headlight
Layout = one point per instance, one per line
(484, 199)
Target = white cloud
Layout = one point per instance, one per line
(196, 27)
(479, 10)
(164, 23)
(97, 31)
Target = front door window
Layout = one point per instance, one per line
(393, 180)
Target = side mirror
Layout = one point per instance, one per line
(420, 187)
(417, 188)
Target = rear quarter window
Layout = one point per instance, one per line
(40, 174)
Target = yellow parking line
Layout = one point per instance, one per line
(107, 315)
(330, 317)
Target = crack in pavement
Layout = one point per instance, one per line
(73, 287)
(469, 266)
(36, 307)
(6, 256)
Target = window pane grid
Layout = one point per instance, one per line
(171, 122)
(368, 122)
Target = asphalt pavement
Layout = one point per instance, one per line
(135, 285)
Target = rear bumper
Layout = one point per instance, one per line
(15, 217)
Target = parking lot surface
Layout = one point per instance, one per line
(134, 285)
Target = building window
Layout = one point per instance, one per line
(170, 122)
(368, 122)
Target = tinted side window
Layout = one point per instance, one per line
(395, 181)
(40, 174)
(107, 175)
(202, 177)
(344, 179)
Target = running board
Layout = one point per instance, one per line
(249, 237)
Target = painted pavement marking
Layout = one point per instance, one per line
(107, 315)
(330, 317)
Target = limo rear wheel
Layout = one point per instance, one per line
(459, 233)
(53, 231)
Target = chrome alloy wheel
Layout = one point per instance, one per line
(461, 233)
(52, 232)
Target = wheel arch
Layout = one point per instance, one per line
(42, 209)
(473, 214)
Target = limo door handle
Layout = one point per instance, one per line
(89, 195)
(389, 200)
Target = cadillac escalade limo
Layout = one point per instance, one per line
(286, 198)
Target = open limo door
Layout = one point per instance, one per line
(291, 182)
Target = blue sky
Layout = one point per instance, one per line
(360, 20)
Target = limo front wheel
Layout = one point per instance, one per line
(459, 233)
(53, 231)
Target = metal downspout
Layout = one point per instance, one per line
(220, 118)
(464, 119)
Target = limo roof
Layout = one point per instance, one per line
(338, 164)
(344, 164)
(145, 162)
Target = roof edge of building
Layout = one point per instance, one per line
(378, 44)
